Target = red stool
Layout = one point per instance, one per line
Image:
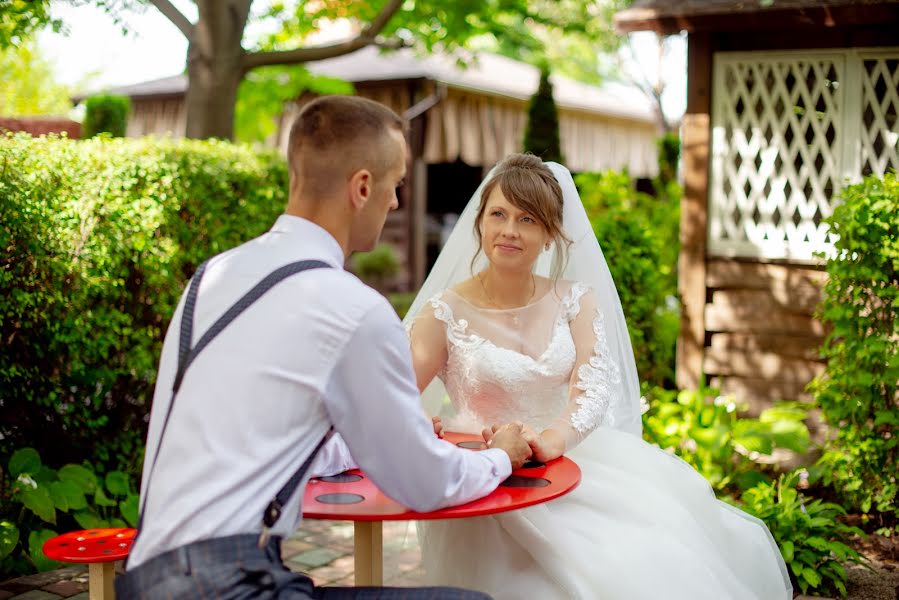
(100, 549)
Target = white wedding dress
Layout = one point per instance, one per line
(641, 524)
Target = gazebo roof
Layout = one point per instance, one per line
(488, 74)
(672, 16)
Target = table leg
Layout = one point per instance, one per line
(100, 578)
(369, 553)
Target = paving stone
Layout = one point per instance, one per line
(323, 575)
(36, 595)
(81, 596)
(66, 588)
(314, 558)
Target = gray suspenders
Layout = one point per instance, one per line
(186, 356)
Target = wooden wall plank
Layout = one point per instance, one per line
(793, 346)
(767, 300)
(727, 273)
(759, 392)
(748, 319)
(763, 365)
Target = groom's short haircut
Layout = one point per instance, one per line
(335, 136)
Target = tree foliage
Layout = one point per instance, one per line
(223, 53)
(19, 19)
(27, 87)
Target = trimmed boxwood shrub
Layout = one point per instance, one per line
(106, 114)
(98, 238)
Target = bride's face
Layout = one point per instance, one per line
(511, 237)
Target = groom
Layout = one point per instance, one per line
(244, 402)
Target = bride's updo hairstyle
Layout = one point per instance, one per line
(529, 185)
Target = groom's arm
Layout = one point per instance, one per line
(373, 402)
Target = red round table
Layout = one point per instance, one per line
(352, 496)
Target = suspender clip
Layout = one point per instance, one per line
(264, 537)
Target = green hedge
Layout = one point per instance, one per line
(639, 238)
(859, 390)
(99, 237)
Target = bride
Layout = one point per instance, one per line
(520, 321)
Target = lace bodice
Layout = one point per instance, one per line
(518, 364)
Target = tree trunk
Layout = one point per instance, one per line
(214, 68)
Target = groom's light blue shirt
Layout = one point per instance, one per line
(319, 349)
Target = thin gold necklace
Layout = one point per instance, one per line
(495, 304)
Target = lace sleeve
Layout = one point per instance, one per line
(431, 333)
(595, 375)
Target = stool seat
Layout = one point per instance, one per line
(100, 549)
(90, 545)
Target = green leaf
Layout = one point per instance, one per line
(80, 476)
(38, 501)
(101, 499)
(9, 537)
(36, 541)
(89, 519)
(129, 507)
(811, 576)
(817, 543)
(26, 460)
(117, 483)
(786, 548)
(72, 494)
(58, 498)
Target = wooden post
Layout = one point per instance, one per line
(418, 204)
(694, 210)
(99, 582)
(369, 560)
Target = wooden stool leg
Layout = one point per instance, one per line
(369, 553)
(100, 578)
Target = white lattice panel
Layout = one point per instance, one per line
(880, 113)
(776, 154)
(789, 129)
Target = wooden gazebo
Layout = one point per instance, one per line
(787, 102)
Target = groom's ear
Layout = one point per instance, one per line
(359, 188)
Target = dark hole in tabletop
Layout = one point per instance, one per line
(473, 445)
(340, 478)
(340, 498)
(519, 481)
(533, 464)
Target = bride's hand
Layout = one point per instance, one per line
(546, 446)
(438, 426)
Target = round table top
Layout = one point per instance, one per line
(90, 545)
(352, 496)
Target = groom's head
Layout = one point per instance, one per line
(347, 156)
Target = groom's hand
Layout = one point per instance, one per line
(509, 438)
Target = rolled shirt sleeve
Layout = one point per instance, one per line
(374, 405)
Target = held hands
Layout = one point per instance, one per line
(544, 447)
(509, 438)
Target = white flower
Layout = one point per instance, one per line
(27, 480)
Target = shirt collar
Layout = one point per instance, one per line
(310, 234)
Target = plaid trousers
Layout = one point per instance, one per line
(235, 568)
